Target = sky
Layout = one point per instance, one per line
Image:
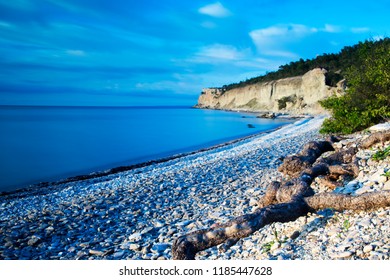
(163, 52)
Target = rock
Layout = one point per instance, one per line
(158, 223)
(134, 247)
(34, 240)
(135, 237)
(368, 248)
(386, 186)
(378, 176)
(118, 255)
(377, 256)
(293, 94)
(252, 202)
(184, 223)
(364, 189)
(275, 246)
(366, 222)
(96, 252)
(295, 234)
(160, 247)
(380, 127)
(342, 255)
(269, 115)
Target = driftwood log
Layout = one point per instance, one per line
(295, 198)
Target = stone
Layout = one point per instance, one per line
(386, 186)
(295, 234)
(380, 127)
(252, 202)
(160, 247)
(135, 237)
(158, 223)
(342, 255)
(134, 247)
(368, 248)
(34, 240)
(118, 255)
(242, 98)
(366, 222)
(96, 252)
(275, 246)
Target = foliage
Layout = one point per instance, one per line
(386, 174)
(381, 154)
(367, 100)
(346, 225)
(335, 64)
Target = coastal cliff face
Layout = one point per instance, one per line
(296, 95)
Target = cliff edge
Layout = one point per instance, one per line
(295, 95)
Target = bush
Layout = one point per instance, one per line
(367, 100)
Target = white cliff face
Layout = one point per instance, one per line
(296, 95)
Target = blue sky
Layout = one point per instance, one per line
(149, 52)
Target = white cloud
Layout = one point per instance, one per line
(215, 10)
(360, 29)
(220, 52)
(76, 52)
(331, 28)
(208, 24)
(270, 40)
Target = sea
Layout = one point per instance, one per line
(52, 143)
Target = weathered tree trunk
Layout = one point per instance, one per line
(293, 165)
(291, 200)
(185, 247)
(378, 137)
(340, 202)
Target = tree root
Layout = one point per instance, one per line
(291, 200)
(378, 137)
(341, 202)
(293, 165)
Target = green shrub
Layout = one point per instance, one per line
(367, 100)
(381, 154)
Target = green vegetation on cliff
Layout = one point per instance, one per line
(366, 68)
(335, 64)
(367, 99)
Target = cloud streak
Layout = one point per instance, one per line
(270, 41)
(141, 46)
(215, 10)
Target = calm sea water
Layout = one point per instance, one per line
(40, 144)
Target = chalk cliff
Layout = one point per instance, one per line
(295, 95)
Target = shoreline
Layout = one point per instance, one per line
(136, 214)
(41, 187)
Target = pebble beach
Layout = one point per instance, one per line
(138, 213)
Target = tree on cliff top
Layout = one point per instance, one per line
(335, 64)
(367, 100)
